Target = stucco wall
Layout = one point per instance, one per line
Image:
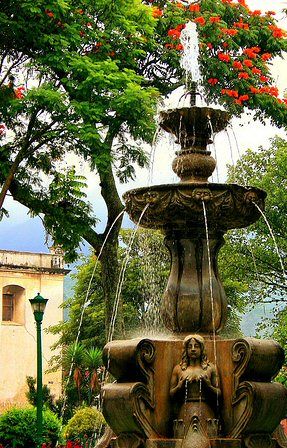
(18, 342)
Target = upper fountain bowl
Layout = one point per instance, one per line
(194, 126)
(180, 206)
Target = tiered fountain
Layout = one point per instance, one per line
(194, 390)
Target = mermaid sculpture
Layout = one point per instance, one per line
(194, 384)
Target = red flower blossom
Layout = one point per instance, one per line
(174, 33)
(229, 92)
(214, 19)
(224, 57)
(243, 98)
(243, 75)
(254, 89)
(194, 8)
(256, 71)
(238, 65)
(209, 45)
(179, 47)
(248, 63)
(200, 20)
(19, 92)
(278, 33)
(264, 78)
(225, 44)
(229, 31)
(156, 12)
(49, 13)
(270, 13)
(241, 24)
(2, 132)
(250, 53)
(212, 81)
(257, 12)
(266, 56)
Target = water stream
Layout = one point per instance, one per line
(274, 240)
(85, 304)
(211, 291)
(122, 277)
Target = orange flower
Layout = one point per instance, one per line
(248, 63)
(243, 75)
(229, 31)
(49, 13)
(174, 33)
(250, 53)
(224, 57)
(212, 81)
(179, 47)
(19, 92)
(257, 12)
(254, 89)
(194, 8)
(238, 65)
(214, 19)
(156, 12)
(200, 20)
(266, 56)
(264, 78)
(209, 45)
(256, 71)
(243, 98)
(229, 92)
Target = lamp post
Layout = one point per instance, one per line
(38, 306)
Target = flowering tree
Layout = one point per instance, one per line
(236, 48)
(94, 70)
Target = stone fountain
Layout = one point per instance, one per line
(192, 388)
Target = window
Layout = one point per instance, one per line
(8, 307)
(13, 302)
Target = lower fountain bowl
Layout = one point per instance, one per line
(180, 206)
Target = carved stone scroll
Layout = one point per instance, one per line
(127, 407)
(258, 408)
(256, 360)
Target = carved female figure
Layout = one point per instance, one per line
(194, 385)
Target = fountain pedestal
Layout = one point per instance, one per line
(139, 409)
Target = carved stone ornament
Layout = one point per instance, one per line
(127, 440)
(179, 206)
(127, 404)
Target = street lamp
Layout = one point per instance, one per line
(38, 306)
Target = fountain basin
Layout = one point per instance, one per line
(179, 206)
(193, 126)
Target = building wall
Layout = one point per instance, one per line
(35, 273)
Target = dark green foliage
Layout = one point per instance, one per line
(48, 399)
(18, 428)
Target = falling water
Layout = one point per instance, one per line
(122, 276)
(230, 147)
(211, 290)
(85, 304)
(274, 240)
(190, 54)
(152, 154)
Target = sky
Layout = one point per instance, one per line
(21, 232)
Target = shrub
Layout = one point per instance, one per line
(18, 428)
(84, 424)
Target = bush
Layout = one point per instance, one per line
(84, 424)
(18, 428)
